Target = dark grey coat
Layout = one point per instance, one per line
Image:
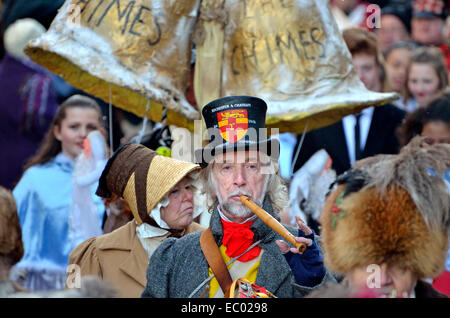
(178, 266)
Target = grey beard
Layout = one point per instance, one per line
(237, 209)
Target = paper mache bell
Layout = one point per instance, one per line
(126, 52)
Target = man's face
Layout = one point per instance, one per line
(396, 68)
(368, 70)
(427, 31)
(235, 174)
(392, 30)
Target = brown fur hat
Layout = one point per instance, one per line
(393, 209)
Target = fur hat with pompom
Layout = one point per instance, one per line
(393, 209)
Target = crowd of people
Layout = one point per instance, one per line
(387, 210)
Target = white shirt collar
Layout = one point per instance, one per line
(349, 130)
(149, 235)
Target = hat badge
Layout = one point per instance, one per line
(233, 124)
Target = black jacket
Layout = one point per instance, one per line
(382, 139)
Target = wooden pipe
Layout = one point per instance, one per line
(272, 223)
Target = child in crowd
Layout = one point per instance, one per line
(427, 76)
(432, 121)
(397, 58)
(44, 194)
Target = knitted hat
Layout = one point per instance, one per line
(19, 33)
(393, 209)
(10, 233)
(142, 178)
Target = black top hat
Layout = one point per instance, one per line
(236, 123)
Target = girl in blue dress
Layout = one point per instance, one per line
(44, 194)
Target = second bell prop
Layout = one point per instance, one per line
(289, 53)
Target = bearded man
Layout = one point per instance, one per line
(239, 160)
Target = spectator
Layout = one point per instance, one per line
(428, 21)
(28, 101)
(44, 195)
(42, 11)
(427, 25)
(432, 121)
(11, 246)
(395, 24)
(426, 76)
(397, 58)
(373, 130)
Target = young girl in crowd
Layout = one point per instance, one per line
(427, 76)
(397, 58)
(44, 195)
(432, 121)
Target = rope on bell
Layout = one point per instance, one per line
(297, 152)
(165, 140)
(144, 123)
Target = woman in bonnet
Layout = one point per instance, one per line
(160, 192)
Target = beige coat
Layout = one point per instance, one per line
(118, 258)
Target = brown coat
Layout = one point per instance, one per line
(117, 257)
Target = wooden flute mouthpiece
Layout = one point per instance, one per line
(272, 223)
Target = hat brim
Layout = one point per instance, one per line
(426, 15)
(271, 147)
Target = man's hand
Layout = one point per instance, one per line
(284, 247)
(307, 268)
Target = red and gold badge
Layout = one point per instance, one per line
(233, 124)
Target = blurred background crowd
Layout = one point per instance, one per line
(397, 46)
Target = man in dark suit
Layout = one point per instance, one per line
(374, 129)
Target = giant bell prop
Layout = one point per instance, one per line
(127, 52)
(288, 52)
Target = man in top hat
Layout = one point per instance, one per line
(160, 192)
(385, 225)
(239, 160)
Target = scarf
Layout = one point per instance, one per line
(237, 237)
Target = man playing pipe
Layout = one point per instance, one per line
(239, 160)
